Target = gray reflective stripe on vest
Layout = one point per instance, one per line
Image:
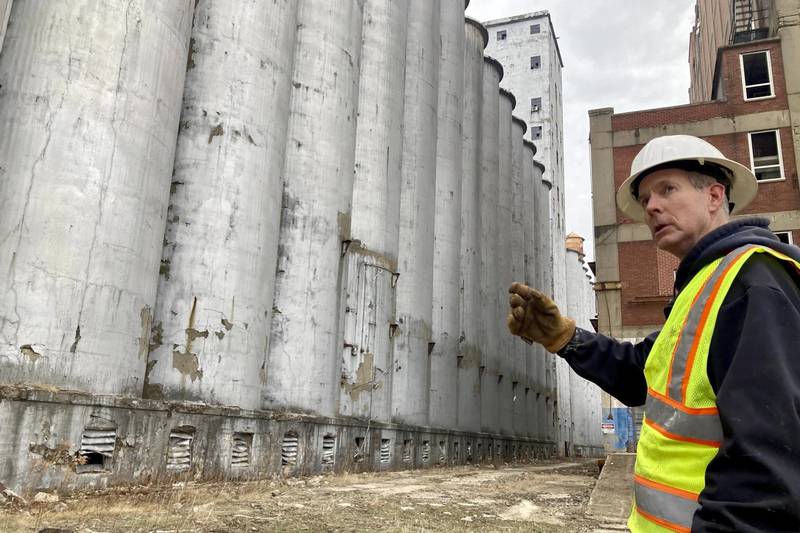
(693, 322)
(673, 509)
(695, 426)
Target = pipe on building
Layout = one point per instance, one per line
(447, 237)
(469, 392)
(211, 324)
(371, 259)
(519, 375)
(505, 346)
(89, 113)
(306, 341)
(489, 187)
(413, 342)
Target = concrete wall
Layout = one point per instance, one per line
(283, 234)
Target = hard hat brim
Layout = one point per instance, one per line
(744, 187)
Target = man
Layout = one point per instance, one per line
(720, 445)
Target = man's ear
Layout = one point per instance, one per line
(716, 193)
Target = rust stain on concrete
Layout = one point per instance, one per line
(364, 377)
(28, 351)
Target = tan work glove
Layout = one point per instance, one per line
(535, 317)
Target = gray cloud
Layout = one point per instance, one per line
(617, 53)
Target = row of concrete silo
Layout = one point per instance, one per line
(295, 205)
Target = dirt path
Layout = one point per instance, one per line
(547, 497)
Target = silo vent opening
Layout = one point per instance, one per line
(442, 452)
(289, 449)
(240, 451)
(408, 445)
(426, 451)
(97, 450)
(328, 449)
(386, 450)
(358, 454)
(179, 452)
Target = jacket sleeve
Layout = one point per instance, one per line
(616, 367)
(753, 484)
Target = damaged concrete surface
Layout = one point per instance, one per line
(544, 496)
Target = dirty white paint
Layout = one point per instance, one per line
(447, 239)
(534, 363)
(211, 322)
(469, 392)
(305, 343)
(371, 261)
(89, 113)
(411, 368)
(489, 182)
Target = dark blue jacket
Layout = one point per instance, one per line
(753, 484)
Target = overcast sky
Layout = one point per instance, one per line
(617, 53)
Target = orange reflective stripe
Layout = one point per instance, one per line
(663, 523)
(702, 324)
(680, 333)
(686, 494)
(681, 438)
(679, 406)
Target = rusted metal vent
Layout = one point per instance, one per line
(97, 450)
(240, 451)
(358, 454)
(386, 451)
(442, 453)
(289, 449)
(328, 449)
(408, 445)
(179, 454)
(426, 451)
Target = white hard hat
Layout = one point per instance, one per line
(675, 148)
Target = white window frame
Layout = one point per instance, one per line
(780, 153)
(787, 233)
(769, 71)
(503, 33)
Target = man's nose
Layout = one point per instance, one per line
(652, 206)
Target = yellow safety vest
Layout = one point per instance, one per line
(682, 433)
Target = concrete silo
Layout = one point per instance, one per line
(520, 383)
(447, 238)
(305, 343)
(371, 256)
(89, 113)
(211, 324)
(533, 265)
(412, 342)
(469, 391)
(488, 183)
(502, 263)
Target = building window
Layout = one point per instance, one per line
(501, 35)
(536, 62)
(765, 155)
(535, 28)
(784, 236)
(536, 133)
(536, 104)
(756, 75)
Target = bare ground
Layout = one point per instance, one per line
(546, 496)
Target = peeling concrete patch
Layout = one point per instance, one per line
(227, 323)
(216, 131)
(74, 346)
(28, 351)
(146, 316)
(187, 364)
(192, 334)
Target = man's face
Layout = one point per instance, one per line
(677, 213)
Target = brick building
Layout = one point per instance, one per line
(753, 116)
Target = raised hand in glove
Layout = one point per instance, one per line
(535, 317)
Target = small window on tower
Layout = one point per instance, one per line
(535, 28)
(536, 104)
(536, 62)
(501, 35)
(765, 155)
(536, 133)
(784, 236)
(756, 75)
